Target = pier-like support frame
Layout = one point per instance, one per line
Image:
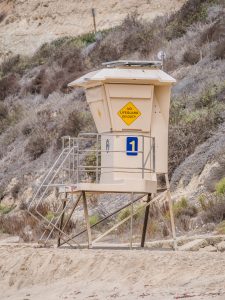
(59, 223)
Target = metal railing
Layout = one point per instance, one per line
(80, 161)
(85, 159)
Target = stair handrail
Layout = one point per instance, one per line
(49, 172)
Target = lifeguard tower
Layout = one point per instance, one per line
(129, 102)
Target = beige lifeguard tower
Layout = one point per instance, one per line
(129, 102)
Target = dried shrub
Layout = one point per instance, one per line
(183, 212)
(219, 51)
(191, 12)
(4, 117)
(8, 65)
(62, 65)
(4, 112)
(73, 125)
(106, 50)
(220, 228)
(213, 208)
(8, 85)
(133, 35)
(27, 129)
(15, 190)
(139, 36)
(184, 138)
(20, 223)
(91, 161)
(2, 16)
(184, 208)
(36, 146)
(213, 33)
(190, 128)
(68, 57)
(191, 56)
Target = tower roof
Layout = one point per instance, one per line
(142, 72)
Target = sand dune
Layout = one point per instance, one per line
(34, 273)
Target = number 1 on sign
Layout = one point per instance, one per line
(132, 143)
(132, 146)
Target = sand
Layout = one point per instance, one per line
(33, 273)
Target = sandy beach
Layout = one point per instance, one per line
(29, 273)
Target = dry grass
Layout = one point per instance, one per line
(213, 208)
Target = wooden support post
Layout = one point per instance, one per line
(94, 22)
(131, 220)
(61, 221)
(145, 222)
(87, 220)
(171, 211)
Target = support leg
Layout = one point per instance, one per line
(145, 222)
(87, 220)
(131, 220)
(61, 221)
(171, 211)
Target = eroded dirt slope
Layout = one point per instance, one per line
(28, 24)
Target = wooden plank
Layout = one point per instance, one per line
(171, 211)
(87, 220)
(61, 221)
(145, 222)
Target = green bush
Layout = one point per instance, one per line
(50, 215)
(220, 187)
(123, 214)
(4, 209)
(182, 208)
(94, 219)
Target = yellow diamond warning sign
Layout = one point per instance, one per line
(129, 113)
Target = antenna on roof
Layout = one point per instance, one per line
(161, 56)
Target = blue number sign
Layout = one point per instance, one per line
(132, 146)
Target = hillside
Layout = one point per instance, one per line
(37, 108)
(26, 25)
